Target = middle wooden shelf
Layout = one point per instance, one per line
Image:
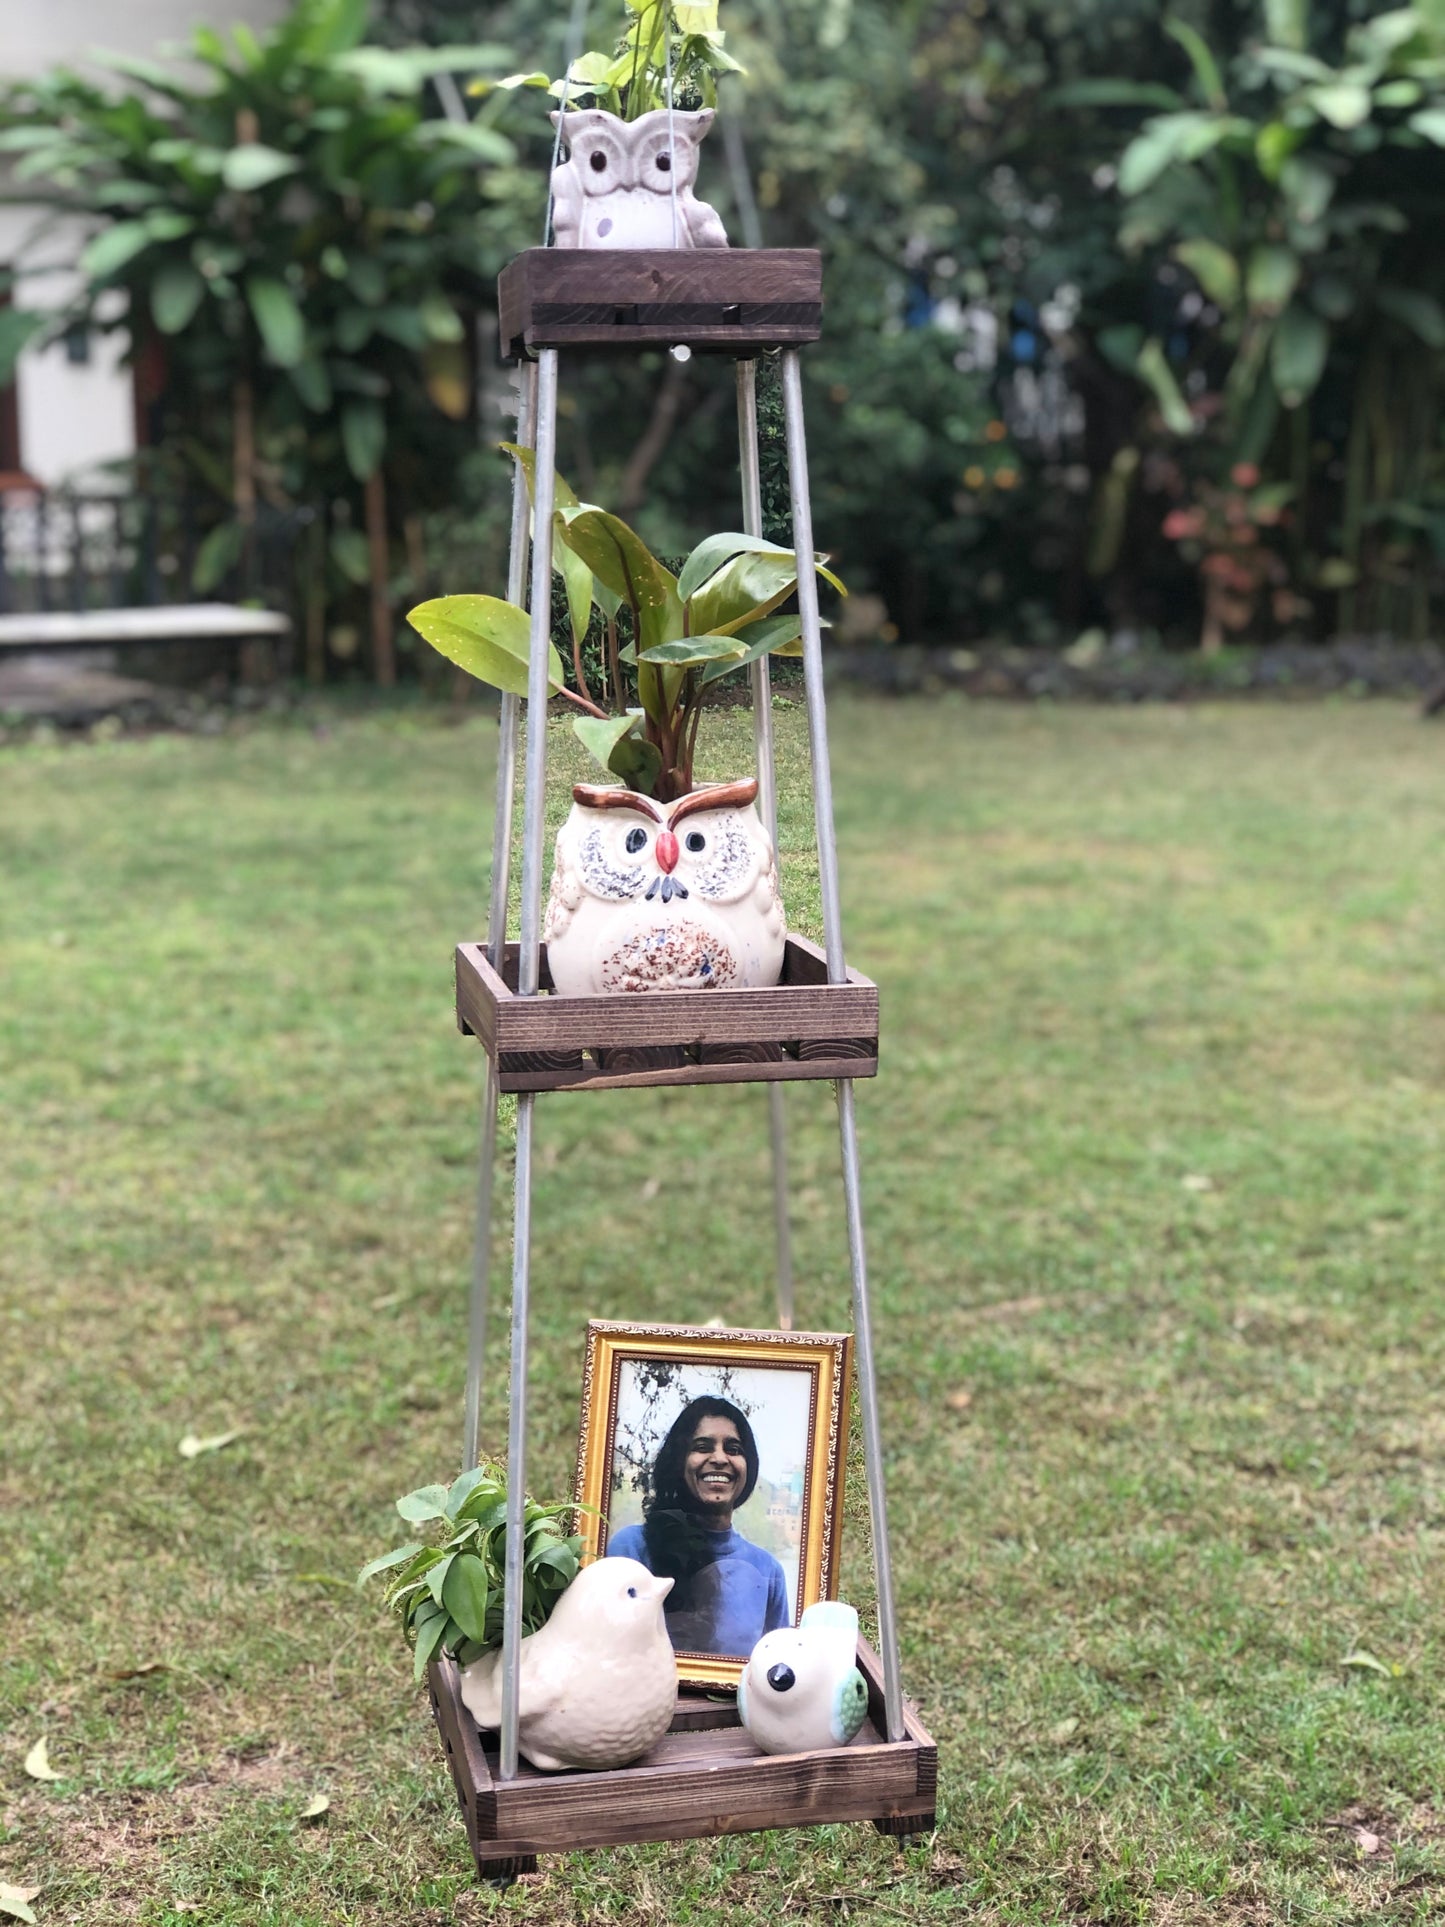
(802, 1028)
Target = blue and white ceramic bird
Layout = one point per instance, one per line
(801, 1689)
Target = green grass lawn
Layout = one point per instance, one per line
(1155, 1176)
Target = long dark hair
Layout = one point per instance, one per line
(677, 1541)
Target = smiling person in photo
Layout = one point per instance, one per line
(728, 1592)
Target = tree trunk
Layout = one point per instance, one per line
(632, 491)
(383, 653)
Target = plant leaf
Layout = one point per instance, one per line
(37, 1762)
(429, 1637)
(192, 1447)
(466, 1596)
(252, 165)
(1297, 353)
(315, 1807)
(774, 635)
(1343, 103)
(620, 747)
(428, 1502)
(1271, 278)
(113, 248)
(437, 1577)
(1153, 368)
(363, 436)
(1213, 267)
(279, 320)
(387, 1562)
(1430, 121)
(563, 495)
(491, 640)
(619, 557)
(15, 1902)
(465, 1484)
(176, 293)
(1206, 67)
(1420, 312)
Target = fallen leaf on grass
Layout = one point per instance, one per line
(315, 1807)
(192, 1447)
(1065, 1730)
(1196, 1181)
(959, 1401)
(143, 1671)
(37, 1762)
(1363, 1662)
(15, 1901)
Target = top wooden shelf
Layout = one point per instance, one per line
(731, 301)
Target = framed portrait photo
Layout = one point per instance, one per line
(716, 1458)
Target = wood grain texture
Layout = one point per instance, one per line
(726, 300)
(704, 1777)
(512, 1077)
(794, 1010)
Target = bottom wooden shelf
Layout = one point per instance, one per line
(704, 1777)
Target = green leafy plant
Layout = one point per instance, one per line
(721, 612)
(294, 246)
(632, 79)
(449, 1592)
(1297, 184)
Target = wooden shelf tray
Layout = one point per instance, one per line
(703, 1777)
(737, 301)
(804, 1028)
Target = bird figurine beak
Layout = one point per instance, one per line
(667, 852)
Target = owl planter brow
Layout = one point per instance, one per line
(657, 896)
(622, 180)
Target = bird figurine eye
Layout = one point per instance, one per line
(664, 163)
(635, 840)
(598, 163)
(632, 1592)
(780, 1678)
(696, 841)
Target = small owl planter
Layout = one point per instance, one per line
(659, 896)
(625, 180)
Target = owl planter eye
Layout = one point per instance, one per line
(721, 861)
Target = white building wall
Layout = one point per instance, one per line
(74, 418)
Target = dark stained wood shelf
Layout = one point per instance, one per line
(805, 1028)
(696, 1782)
(734, 301)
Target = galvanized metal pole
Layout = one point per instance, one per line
(534, 811)
(497, 944)
(768, 798)
(833, 944)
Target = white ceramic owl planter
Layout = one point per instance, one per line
(629, 184)
(664, 896)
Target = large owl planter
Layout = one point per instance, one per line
(658, 896)
(629, 184)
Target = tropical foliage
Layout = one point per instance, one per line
(449, 1592)
(297, 248)
(1083, 266)
(684, 632)
(670, 54)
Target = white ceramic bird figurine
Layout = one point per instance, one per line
(598, 1681)
(801, 1688)
(664, 896)
(629, 184)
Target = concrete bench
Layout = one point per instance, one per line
(114, 628)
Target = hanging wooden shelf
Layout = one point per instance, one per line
(804, 1028)
(735, 301)
(705, 1776)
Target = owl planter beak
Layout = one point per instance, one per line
(666, 852)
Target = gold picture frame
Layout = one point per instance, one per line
(641, 1379)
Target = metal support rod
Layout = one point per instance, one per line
(496, 948)
(768, 798)
(847, 1120)
(534, 811)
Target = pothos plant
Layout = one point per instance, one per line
(448, 1588)
(688, 631)
(632, 79)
